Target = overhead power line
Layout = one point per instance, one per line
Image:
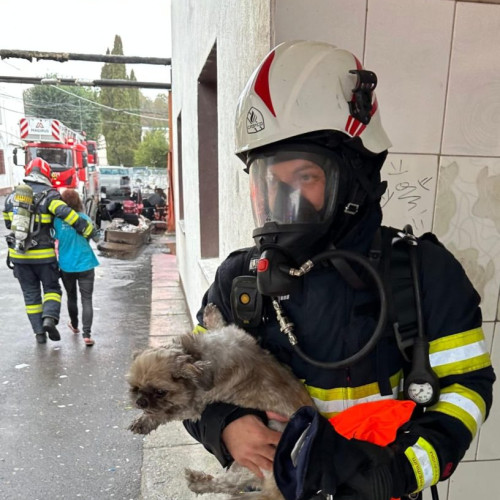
(107, 107)
(76, 96)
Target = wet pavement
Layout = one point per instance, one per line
(64, 407)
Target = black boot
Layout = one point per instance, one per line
(49, 325)
(41, 338)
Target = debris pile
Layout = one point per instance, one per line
(122, 239)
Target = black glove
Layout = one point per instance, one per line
(311, 457)
(374, 480)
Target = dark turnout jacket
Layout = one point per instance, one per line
(332, 321)
(50, 206)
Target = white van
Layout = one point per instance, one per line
(115, 181)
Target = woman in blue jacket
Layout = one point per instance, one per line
(77, 262)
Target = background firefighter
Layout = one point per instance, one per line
(32, 250)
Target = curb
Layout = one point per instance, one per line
(168, 450)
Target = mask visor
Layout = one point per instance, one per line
(293, 187)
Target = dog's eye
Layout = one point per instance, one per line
(160, 393)
(134, 389)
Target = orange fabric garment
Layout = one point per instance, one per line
(376, 422)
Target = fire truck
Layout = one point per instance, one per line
(66, 152)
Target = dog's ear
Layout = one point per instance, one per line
(199, 372)
(137, 353)
(190, 345)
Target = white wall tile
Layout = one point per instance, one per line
(411, 191)
(408, 46)
(442, 491)
(475, 480)
(489, 437)
(472, 125)
(467, 221)
(341, 22)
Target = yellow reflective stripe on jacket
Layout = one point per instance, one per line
(46, 218)
(34, 309)
(463, 404)
(460, 353)
(43, 253)
(199, 329)
(71, 218)
(54, 204)
(52, 296)
(88, 230)
(424, 462)
(332, 401)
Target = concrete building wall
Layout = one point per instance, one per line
(241, 31)
(439, 94)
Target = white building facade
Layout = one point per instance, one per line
(11, 110)
(439, 94)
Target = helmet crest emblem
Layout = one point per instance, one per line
(255, 121)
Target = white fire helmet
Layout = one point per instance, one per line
(302, 87)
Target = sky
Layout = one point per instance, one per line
(85, 27)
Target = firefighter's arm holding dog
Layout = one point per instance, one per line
(60, 209)
(251, 443)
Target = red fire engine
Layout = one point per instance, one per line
(66, 152)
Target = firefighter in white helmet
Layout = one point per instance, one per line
(32, 252)
(308, 129)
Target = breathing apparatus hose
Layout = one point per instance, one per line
(287, 327)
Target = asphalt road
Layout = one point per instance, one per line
(64, 407)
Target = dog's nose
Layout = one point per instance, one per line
(142, 402)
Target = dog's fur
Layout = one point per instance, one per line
(177, 382)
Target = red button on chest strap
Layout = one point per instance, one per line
(262, 265)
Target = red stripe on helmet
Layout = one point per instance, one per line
(372, 112)
(360, 130)
(354, 126)
(262, 83)
(348, 123)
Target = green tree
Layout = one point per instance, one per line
(155, 113)
(74, 106)
(135, 104)
(120, 127)
(152, 152)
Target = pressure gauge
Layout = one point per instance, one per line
(422, 393)
(421, 384)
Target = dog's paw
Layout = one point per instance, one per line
(141, 426)
(198, 481)
(212, 317)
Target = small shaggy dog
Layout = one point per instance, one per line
(177, 382)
